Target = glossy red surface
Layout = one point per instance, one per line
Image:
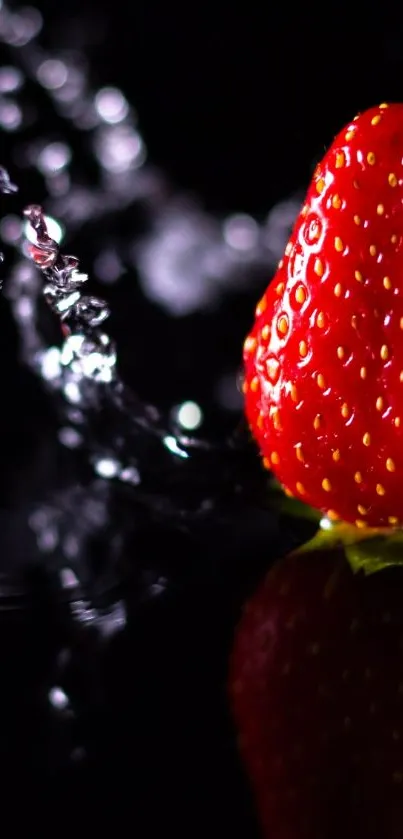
(324, 359)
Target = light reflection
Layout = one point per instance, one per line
(11, 79)
(68, 578)
(72, 89)
(10, 115)
(119, 149)
(23, 278)
(24, 307)
(11, 229)
(71, 546)
(52, 73)
(18, 28)
(50, 364)
(72, 392)
(188, 259)
(96, 365)
(53, 158)
(108, 267)
(58, 698)
(241, 232)
(172, 260)
(70, 437)
(47, 539)
(158, 588)
(26, 24)
(171, 444)
(189, 416)
(111, 105)
(107, 467)
(58, 184)
(130, 475)
(55, 230)
(114, 620)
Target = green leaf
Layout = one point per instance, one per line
(366, 549)
(375, 554)
(330, 535)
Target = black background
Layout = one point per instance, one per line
(235, 105)
(236, 102)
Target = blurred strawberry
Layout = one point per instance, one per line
(316, 688)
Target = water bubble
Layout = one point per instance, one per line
(111, 105)
(119, 149)
(72, 392)
(68, 578)
(92, 358)
(69, 437)
(130, 475)
(24, 308)
(55, 230)
(53, 158)
(61, 303)
(107, 467)
(71, 546)
(107, 266)
(58, 698)
(52, 73)
(72, 90)
(10, 115)
(47, 539)
(189, 415)
(50, 364)
(24, 26)
(11, 229)
(92, 311)
(241, 232)
(11, 79)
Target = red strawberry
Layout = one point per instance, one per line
(324, 360)
(317, 696)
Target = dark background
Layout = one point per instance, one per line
(235, 105)
(237, 102)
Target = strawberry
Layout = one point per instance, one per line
(324, 359)
(316, 685)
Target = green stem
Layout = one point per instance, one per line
(366, 549)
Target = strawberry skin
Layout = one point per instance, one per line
(324, 359)
(316, 687)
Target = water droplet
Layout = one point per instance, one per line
(52, 74)
(92, 311)
(241, 232)
(107, 467)
(189, 415)
(58, 698)
(53, 158)
(111, 105)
